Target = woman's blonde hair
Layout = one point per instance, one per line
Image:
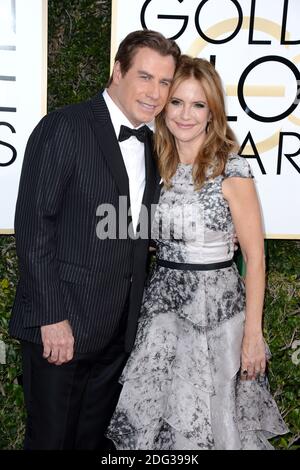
(220, 139)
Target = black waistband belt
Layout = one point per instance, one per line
(192, 266)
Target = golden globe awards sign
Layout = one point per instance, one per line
(255, 46)
(23, 72)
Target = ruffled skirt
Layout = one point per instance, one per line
(181, 385)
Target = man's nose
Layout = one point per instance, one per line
(154, 90)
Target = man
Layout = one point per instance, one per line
(79, 294)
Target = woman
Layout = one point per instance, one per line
(196, 376)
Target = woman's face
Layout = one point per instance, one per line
(187, 113)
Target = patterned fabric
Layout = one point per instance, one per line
(181, 386)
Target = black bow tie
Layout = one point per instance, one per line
(126, 132)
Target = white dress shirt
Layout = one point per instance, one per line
(133, 152)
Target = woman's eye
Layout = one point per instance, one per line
(199, 105)
(175, 102)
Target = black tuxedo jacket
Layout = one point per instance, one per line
(73, 164)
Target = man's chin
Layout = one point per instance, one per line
(147, 117)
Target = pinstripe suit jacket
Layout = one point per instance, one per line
(73, 164)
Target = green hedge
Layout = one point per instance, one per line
(282, 332)
(11, 396)
(79, 49)
(79, 44)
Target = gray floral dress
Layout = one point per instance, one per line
(181, 387)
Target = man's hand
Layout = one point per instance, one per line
(58, 342)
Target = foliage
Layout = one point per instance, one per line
(78, 54)
(11, 394)
(79, 44)
(282, 331)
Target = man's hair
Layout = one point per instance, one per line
(144, 38)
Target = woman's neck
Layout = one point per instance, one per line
(187, 152)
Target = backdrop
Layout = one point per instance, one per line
(255, 47)
(23, 91)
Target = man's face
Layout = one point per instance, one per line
(143, 91)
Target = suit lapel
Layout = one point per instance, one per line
(152, 177)
(152, 180)
(108, 142)
(109, 145)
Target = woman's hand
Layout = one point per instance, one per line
(253, 356)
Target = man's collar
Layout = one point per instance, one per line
(117, 116)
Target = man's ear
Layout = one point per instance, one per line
(117, 74)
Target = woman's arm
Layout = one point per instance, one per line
(241, 196)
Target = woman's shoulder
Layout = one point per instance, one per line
(237, 166)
